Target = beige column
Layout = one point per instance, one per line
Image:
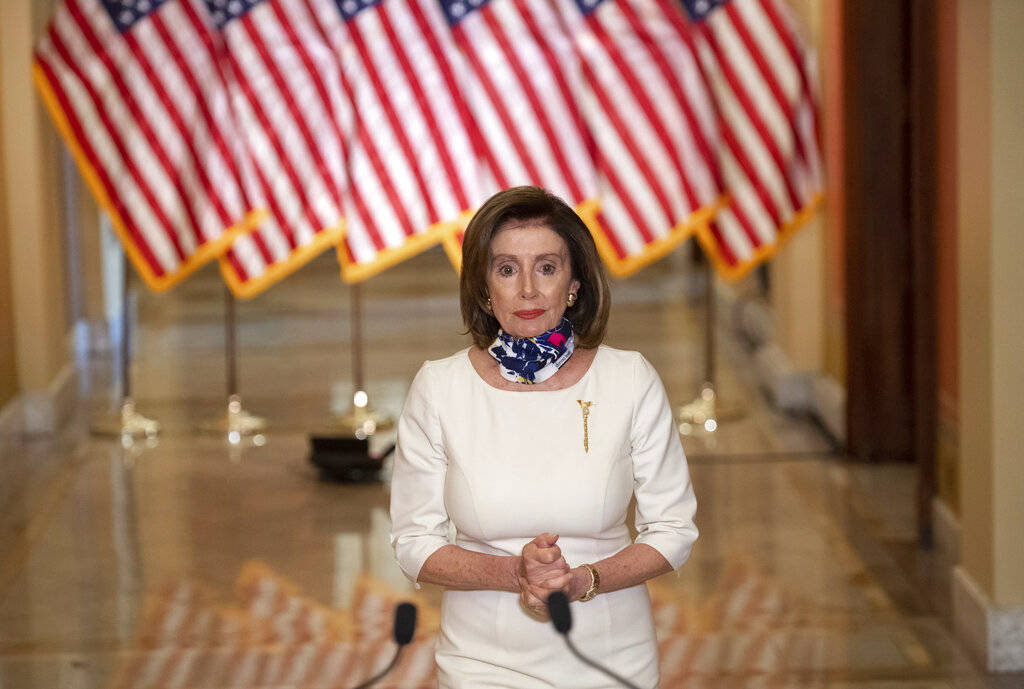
(791, 366)
(798, 297)
(8, 359)
(798, 269)
(31, 176)
(988, 586)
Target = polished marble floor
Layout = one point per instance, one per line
(193, 563)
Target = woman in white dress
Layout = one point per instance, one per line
(532, 443)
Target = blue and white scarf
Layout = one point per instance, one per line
(531, 360)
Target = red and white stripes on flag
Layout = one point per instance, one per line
(763, 79)
(274, 60)
(412, 169)
(652, 119)
(522, 81)
(683, 118)
(143, 112)
(377, 126)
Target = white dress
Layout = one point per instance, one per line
(504, 466)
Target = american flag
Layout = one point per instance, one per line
(412, 168)
(373, 126)
(379, 125)
(763, 80)
(143, 111)
(274, 60)
(699, 118)
(653, 121)
(523, 83)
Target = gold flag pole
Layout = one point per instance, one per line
(360, 420)
(341, 450)
(236, 423)
(127, 422)
(703, 417)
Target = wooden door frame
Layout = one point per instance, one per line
(889, 81)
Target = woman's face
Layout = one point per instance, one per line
(529, 279)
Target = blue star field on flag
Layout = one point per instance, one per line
(350, 8)
(125, 13)
(588, 6)
(699, 9)
(457, 10)
(224, 11)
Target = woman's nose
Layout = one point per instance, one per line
(527, 287)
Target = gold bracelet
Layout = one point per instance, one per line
(595, 584)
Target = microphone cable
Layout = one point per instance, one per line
(561, 617)
(405, 628)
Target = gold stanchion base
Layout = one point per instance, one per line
(361, 422)
(128, 424)
(237, 423)
(705, 415)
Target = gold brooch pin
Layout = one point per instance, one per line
(585, 406)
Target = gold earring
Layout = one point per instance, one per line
(572, 298)
(488, 308)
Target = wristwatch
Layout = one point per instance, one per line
(595, 584)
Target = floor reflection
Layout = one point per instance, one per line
(267, 633)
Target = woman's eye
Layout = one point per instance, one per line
(548, 269)
(506, 269)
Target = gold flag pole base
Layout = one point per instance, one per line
(705, 415)
(361, 420)
(237, 423)
(128, 424)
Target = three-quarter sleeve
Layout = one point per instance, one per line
(665, 503)
(419, 521)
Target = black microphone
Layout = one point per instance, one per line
(558, 608)
(405, 623)
(561, 617)
(405, 629)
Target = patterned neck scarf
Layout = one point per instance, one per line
(531, 360)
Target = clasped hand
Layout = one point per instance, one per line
(543, 570)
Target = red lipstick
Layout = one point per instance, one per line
(528, 315)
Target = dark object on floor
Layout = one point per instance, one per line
(345, 459)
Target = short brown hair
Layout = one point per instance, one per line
(589, 315)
